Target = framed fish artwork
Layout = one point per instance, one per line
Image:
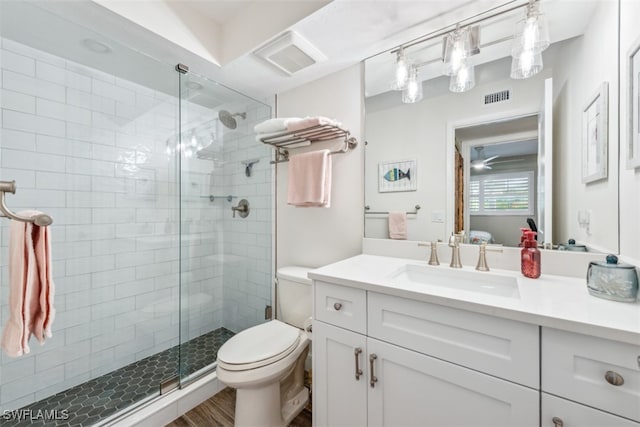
(397, 176)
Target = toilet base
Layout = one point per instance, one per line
(262, 407)
(295, 405)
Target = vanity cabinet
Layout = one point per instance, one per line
(558, 412)
(599, 373)
(381, 360)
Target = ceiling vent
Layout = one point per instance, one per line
(290, 53)
(503, 95)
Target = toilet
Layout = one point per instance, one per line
(265, 363)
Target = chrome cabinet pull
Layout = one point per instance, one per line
(614, 378)
(357, 353)
(557, 422)
(337, 306)
(374, 379)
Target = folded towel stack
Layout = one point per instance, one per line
(310, 179)
(31, 288)
(273, 128)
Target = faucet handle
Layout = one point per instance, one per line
(482, 256)
(433, 256)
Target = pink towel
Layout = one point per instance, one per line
(31, 287)
(307, 122)
(398, 225)
(310, 179)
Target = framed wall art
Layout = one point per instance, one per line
(595, 136)
(397, 176)
(633, 85)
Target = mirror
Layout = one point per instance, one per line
(489, 159)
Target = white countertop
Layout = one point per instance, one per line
(551, 301)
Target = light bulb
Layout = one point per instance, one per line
(402, 71)
(413, 91)
(457, 49)
(464, 79)
(531, 33)
(526, 64)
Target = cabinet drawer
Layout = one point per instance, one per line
(503, 348)
(575, 366)
(557, 411)
(341, 306)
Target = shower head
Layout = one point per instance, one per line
(228, 119)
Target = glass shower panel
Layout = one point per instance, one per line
(225, 256)
(86, 126)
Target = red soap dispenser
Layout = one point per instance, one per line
(530, 256)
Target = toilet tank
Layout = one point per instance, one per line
(294, 295)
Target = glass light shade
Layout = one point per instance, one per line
(464, 79)
(532, 33)
(413, 91)
(458, 47)
(526, 64)
(402, 71)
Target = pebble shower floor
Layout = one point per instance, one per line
(90, 402)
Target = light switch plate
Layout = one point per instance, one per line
(437, 216)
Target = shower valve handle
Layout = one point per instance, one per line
(242, 208)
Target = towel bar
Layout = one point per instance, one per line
(367, 211)
(10, 187)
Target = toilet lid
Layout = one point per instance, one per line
(262, 343)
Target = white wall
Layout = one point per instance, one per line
(397, 131)
(589, 61)
(318, 236)
(629, 179)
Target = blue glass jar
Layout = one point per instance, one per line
(611, 280)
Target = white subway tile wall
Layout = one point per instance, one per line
(90, 149)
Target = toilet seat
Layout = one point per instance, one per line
(259, 346)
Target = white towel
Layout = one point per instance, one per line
(294, 124)
(278, 124)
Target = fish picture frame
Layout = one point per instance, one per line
(397, 176)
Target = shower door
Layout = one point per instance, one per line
(225, 254)
(85, 125)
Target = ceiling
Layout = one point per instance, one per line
(216, 38)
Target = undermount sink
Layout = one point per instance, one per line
(481, 282)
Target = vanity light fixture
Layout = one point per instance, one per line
(402, 71)
(412, 93)
(531, 38)
(461, 43)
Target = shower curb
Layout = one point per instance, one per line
(166, 408)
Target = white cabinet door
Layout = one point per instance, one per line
(417, 390)
(339, 399)
(557, 412)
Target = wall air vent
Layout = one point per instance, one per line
(290, 53)
(501, 96)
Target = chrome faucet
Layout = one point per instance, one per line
(482, 257)
(454, 243)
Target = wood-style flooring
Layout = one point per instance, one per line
(218, 411)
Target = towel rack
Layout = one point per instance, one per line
(311, 134)
(367, 211)
(10, 187)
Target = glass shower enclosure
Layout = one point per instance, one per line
(139, 164)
